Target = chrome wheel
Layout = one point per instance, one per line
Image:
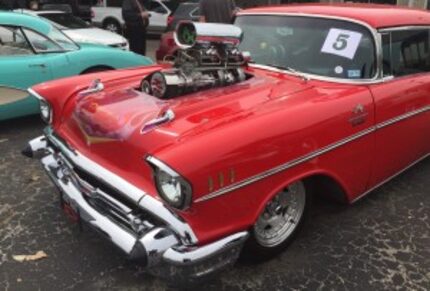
(281, 216)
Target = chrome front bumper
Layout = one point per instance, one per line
(138, 224)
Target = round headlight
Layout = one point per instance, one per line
(174, 189)
(45, 111)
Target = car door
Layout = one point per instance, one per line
(20, 68)
(402, 102)
(158, 16)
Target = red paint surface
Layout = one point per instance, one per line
(250, 127)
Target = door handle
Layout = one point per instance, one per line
(37, 66)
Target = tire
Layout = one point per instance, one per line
(287, 211)
(112, 25)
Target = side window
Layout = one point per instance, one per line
(406, 52)
(13, 42)
(156, 7)
(40, 43)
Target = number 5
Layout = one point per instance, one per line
(341, 42)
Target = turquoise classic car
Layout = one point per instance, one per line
(33, 51)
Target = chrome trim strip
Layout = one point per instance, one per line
(41, 99)
(140, 197)
(402, 117)
(35, 94)
(285, 166)
(401, 28)
(309, 156)
(95, 87)
(376, 39)
(162, 166)
(390, 178)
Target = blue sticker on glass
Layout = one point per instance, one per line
(354, 73)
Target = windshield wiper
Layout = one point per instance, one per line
(291, 70)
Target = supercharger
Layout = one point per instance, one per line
(208, 57)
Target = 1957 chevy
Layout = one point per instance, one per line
(184, 166)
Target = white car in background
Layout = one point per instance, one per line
(107, 14)
(79, 30)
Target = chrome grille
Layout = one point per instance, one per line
(109, 201)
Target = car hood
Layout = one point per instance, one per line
(114, 127)
(95, 35)
(128, 115)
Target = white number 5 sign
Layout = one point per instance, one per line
(341, 42)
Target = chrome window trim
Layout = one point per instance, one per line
(311, 155)
(403, 28)
(394, 29)
(376, 39)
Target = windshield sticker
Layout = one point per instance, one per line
(342, 42)
(338, 70)
(354, 73)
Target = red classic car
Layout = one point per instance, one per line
(185, 166)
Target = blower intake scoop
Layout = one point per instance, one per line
(208, 57)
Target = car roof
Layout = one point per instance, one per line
(25, 20)
(375, 15)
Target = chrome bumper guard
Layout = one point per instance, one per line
(142, 227)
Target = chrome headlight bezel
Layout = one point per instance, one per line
(45, 111)
(45, 108)
(163, 174)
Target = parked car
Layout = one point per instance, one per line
(79, 30)
(180, 167)
(78, 8)
(185, 11)
(107, 14)
(34, 51)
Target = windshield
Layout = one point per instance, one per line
(318, 46)
(65, 42)
(66, 21)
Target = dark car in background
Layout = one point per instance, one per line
(79, 8)
(185, 11)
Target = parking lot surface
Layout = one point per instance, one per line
(380, 243)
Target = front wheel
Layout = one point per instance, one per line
(112, 26)
(278, 223)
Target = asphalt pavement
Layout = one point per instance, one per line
(380, 243)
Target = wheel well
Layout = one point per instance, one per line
(94, 69)
(326, 187)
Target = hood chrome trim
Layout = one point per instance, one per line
(95, 86)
